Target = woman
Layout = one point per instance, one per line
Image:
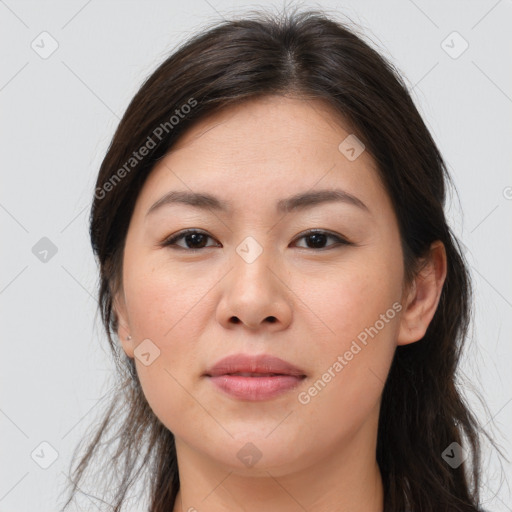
(289, 300)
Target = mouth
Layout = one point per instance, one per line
(254, 378)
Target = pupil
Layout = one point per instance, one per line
(192, 238)
(318, 239)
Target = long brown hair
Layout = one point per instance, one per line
(312, 56)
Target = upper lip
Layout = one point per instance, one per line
(245, 363)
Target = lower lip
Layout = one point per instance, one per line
(255, 388)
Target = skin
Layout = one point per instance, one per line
(318, 456)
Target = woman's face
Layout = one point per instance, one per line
(258, 283)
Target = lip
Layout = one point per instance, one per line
(256, 387)
(245, 363)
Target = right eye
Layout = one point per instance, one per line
(193, 237)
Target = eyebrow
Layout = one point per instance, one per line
(301, 201)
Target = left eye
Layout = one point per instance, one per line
(195, 240)
(319, 237)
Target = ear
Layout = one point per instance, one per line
(123, 326)
(423, 296)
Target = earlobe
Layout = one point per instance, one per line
(423, 299)
(127, 342)
(123, 330)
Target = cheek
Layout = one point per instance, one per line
(355, 342)
(354, 298)
(163, 302)
(168, 307)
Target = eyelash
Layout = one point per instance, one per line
(168, 242)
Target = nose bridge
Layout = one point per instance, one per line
(253, 293)
(252, 260)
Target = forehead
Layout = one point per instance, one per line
(264, 147)
(269, 119)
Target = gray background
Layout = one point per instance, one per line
(58, 115)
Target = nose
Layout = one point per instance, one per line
(255, 295)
